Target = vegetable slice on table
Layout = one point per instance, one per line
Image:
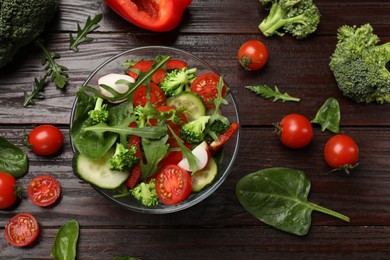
(65, 244)
(8, 190)
(12, 159)
(173, 184)
(341, 153)
(278, 197)
(158, 16)
(253, 55)
(43, 190)
(21, 230)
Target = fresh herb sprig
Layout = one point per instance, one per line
(36, 92)
(90, 25)
(267, 93)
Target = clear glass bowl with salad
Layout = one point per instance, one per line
(154, 129)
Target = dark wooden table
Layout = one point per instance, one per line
(217, 228)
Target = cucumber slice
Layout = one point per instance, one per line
(191, 104)
(97, 172)
(204, 177)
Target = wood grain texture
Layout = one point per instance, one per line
(218, 226)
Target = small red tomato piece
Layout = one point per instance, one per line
(205, 85)
(43, 190)
(21, 230)
(46, 140)
(253, 55)
(157, 96)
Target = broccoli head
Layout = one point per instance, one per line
(193, 132)
(177, 81)
(123, 158)
(146, 193)
(99, 113)
(215, 130)
(21, 21)
(359, 64)
(297, 17)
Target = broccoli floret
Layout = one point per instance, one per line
(178, 81)
(146, 193)
(123, 158)
(99, 113)
(297, 17)
(359, 64)
(145, 114)
(215, 130)
(21, 21)
(192, 132)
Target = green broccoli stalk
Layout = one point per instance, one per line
(146, 193)
(297, 17)
(123, 158)
(359, 65)
(21, 21)
(192, 132)
(178, 81)
(99, 113)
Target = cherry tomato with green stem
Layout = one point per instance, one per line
(253, 55)
(341, 152)
(45, 140)
(295, 131)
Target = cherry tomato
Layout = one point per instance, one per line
(46, 140)
(8, 190)
(21, 230)
(176, 64)
(159, 76)
(215, 146)
(157, 96)
(295, 131)
(143, 66)
(43, 190)
(173, 184)
(205, 85)
(341, 152)
(253, 55)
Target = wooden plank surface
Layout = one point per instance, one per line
(213, 30)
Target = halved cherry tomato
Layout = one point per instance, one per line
(173, 184)
(43, 190)
(253, 55)
(45, 140)
(21, 230)
(215, 146)
(159, 76)
(176, 64)
(142, 65)
(157, 96)
(341, 152)
(205, 85)
(8, 190)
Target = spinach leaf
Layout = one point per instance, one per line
(278, 197)
(328, 116)
(65, 243)
(13, 160)
(154, 151)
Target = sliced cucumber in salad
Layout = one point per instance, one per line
(191, 104)
(97, 172)
(203, 178)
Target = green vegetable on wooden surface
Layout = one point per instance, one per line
(278, 197)
(90, 25)
(65, 244)
(13, 160)
(328, 116)
(267, 92)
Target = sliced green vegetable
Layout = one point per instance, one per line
(267, 92)
(65, 243)
(13, 160)
(203, 178)
(190, 103)
(328, 116)
(278, 197)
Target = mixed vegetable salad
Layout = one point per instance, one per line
(154, 132)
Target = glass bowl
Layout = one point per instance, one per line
(230, 149)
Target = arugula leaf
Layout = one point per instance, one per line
(57, 73)
(154, 152)
(90, 25)
(328, 116)
(36, 92)
(267, 92)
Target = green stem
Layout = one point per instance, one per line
(329, 212)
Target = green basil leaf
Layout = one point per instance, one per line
(278, 197)
(13, 160)
(65, 243)
(328, 116)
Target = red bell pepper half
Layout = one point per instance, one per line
(153, 15)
